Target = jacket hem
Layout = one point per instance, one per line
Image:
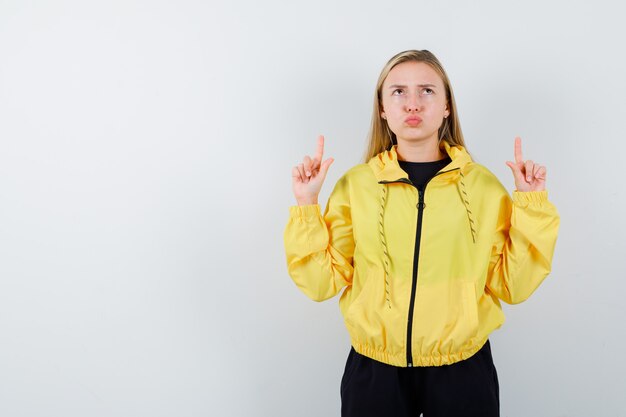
(418, 360)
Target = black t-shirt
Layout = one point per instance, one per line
(421, 172)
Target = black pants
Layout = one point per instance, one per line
(464, 389)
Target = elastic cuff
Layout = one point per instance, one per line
(526, 197)
(306, 211)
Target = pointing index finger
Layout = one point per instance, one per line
(320, 148)
(518, 150)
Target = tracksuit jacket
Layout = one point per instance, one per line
(477, 246)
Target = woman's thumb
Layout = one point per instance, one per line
(514, 168)
(325, 165)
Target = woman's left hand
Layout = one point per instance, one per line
(528, 175)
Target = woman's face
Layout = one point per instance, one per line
(414, 102)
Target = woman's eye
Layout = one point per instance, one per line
(428, 91)
(397, 92)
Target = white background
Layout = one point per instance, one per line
(145, 158)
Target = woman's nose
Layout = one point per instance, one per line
(412, 102)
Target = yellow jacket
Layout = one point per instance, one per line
(476, 247)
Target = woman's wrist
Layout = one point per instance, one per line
(306, 201)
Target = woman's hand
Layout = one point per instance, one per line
(308, 177)
(528, 175)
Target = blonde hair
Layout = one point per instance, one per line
(380, 137)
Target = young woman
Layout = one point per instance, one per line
(425, 244)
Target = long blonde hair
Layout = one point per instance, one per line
(380, 137)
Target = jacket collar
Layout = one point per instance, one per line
(386, 167)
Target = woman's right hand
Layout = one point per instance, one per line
(308, 177)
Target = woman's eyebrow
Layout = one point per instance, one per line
(419, 85)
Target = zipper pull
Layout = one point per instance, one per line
(421, 205)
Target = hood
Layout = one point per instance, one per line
(386, 168)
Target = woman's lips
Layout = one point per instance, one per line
(413, 120)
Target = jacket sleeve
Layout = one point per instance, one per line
(521, 255)
(319, 249)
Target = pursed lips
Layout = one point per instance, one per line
(413, 120)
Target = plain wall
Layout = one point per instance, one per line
(145, 160)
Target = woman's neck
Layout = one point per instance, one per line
(419, 152)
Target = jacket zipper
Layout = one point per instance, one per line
(418, 237)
